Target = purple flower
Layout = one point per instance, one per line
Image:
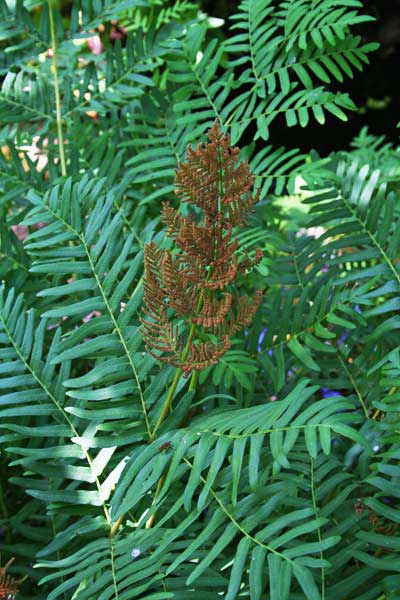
(327, 393)
(289, 374)
(261, 338)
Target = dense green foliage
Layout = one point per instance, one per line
(283, 481)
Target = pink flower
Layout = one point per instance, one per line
(94, 313)
(21, 231)
(95, 45)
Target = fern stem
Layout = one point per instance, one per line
(54, 70)
(150, 521)
(167, 403)
(174, 384)
(314, 501)
(113, 573)
(193, 381)
(378, 411)
(354, 384)
(115, 526)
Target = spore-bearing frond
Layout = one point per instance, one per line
(172, 219)
(162, 337)
(205, 354)
(193, 282)
(248, 263)
(213, 311)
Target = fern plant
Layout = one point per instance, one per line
(274, 472)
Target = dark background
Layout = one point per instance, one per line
(376, 91)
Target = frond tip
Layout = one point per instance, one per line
(213, 179)
(192, 282)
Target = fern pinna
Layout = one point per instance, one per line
(192, 284)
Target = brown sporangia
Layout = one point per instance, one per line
(8, 585)
(378, 524)
(192, 307)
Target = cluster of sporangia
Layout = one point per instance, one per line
(194, 285)
(8, 585)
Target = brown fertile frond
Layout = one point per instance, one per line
(248, 263)
(224, 246)
(153, 256)
(194, 271)
(172, 219)
(185, 284)
(197, 179)
(213, 312)
(152, 282)
(159, 334)
(205, 354)
(223, 275)
(246, 311)
(178, 294)
(196, 241)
